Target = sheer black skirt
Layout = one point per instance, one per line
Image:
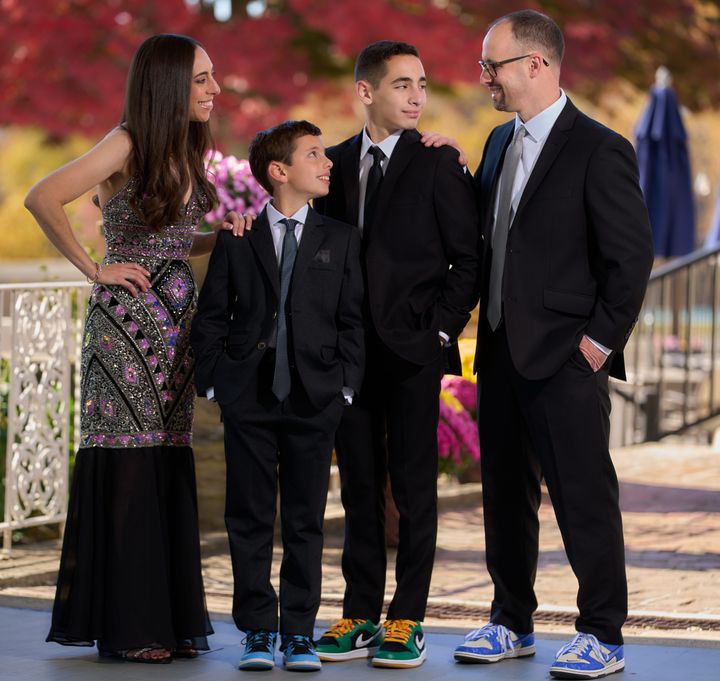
(130, 573)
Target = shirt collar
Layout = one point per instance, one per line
(387, 145)
(540, 125)
(274, 215)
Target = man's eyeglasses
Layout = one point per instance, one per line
(491, 67)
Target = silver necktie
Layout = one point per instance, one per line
(502, 227)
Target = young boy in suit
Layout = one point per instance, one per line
(416, 211)
(278, 342)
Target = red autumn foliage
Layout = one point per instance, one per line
(63, 63)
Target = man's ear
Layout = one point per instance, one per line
(276, 172)
(535, 62)
(364, 91)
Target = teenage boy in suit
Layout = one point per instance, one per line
(564, 279)
(279, 343)
(415, 209)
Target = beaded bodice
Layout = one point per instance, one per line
(128, 239)
(136, 360)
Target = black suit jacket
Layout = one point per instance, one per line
(238, 304)
(425, 222)
(579, 251)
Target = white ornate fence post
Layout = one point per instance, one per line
(43, 353)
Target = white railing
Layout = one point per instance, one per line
(40, 341)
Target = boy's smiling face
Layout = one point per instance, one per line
(309, 171)
(398, 99)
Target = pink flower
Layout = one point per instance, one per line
(237, 189)
(458, 442)
(464, 390)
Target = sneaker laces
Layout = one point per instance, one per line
(580, 644)
(491, 630)
(342, 627)
(299, 645)
(398, 631)
(259, 640)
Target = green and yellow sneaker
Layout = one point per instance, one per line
(349, 639)
(404, 645)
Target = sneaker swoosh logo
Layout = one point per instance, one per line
(420, 641)
(361, 641)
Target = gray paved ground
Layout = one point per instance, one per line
(26, 658)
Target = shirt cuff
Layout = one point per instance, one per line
(444, 337)
(210, 394)
(348, 394)
(600, 346)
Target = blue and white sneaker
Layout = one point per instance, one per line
(586, 658)
(493, 643)
(299, 654)
(259, 650)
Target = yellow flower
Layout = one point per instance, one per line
(467, 356)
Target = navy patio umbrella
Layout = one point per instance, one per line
(665, 171)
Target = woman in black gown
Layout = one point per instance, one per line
(130, 576)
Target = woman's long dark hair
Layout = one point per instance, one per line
(168, 149)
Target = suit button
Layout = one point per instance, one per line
(261, 345)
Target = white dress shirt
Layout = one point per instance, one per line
(537, 130)
(277, 229)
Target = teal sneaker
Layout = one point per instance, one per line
(349, 639)
(259, 650)
(404, 645)
(493, 643)
(299, 654)
(586, 658)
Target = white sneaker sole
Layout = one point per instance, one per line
(401, 664)
(564, 673)
(303, 666)
(464, 656)
(256, 664)
(349, 655)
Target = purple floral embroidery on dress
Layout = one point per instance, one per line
(136, 358)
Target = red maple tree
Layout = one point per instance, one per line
(63, 63)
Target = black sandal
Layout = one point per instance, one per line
(185, 653)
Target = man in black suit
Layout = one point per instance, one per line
(416, 211)
(278, 340)
(567, 258)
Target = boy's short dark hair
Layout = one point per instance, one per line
(276, 144)
(371, 64)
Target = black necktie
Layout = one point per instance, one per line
(281, 377)
(372, 188)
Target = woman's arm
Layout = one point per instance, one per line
(104, 163)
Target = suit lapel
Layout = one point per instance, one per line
(350, 172)
(556, 140)
(262, 243)
(312, 237)
(490, 173)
